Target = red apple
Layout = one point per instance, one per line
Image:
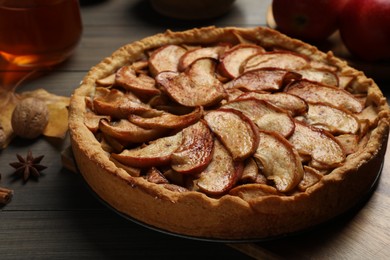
(308, 20)
(365, 29)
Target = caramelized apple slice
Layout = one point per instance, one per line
(135, 172)
(290, 103)
(165, 58)
(111, 144)
(236, 131)
(91, 121)
(156, 153)
(106, 81)
(252, 173)
(197, 86)
(278, 59)
(126, 131)
(310, 177)
(345, 81)
(232, 60)
(207, 52)
(369, 114)
(221, 174)
(322, 76)
(117, 104)
(142, 85)
(174, 187)
(140, 66)
(319, 65)
(319, 93)
(317, 143)
(334, 120)
(263, 79)
(195, 152)
(167, 120)
(164, 103)
(349, 142)
(264, 115)
(155, 176)
(279, 160)
(253, 191)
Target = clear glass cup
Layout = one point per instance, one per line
(39, 33)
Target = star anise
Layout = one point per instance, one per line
(25, 167)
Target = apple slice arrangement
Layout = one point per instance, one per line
(234, 119)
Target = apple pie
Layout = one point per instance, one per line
(228, 133)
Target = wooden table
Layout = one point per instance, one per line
(57, 216)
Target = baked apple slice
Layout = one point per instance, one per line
(207, 52)
(316, 92)
(265, 115)
(197, 86)
(124, 130)
(231, 62)
(252, 173)
(115, 103)
(349, 142)
(155, 176)
(156, 153)
(236, 131)
(91, 121)
(279, 161)
(322, 76)
(164, 103)
(277, 59)
(196, 150)
(290, 103)
(111, 144)
(253, 191)
(332, 119)
(165, 58)
(322, 147)
(106, 81)
(221, 174)
(310, 177)
(167, 120)
(369, 114)
(142, 85)
(263, 79)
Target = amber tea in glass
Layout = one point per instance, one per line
(39, 33)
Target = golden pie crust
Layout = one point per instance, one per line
(226, 216)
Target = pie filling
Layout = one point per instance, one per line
(231, 118)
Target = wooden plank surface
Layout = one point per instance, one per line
(56, 217)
